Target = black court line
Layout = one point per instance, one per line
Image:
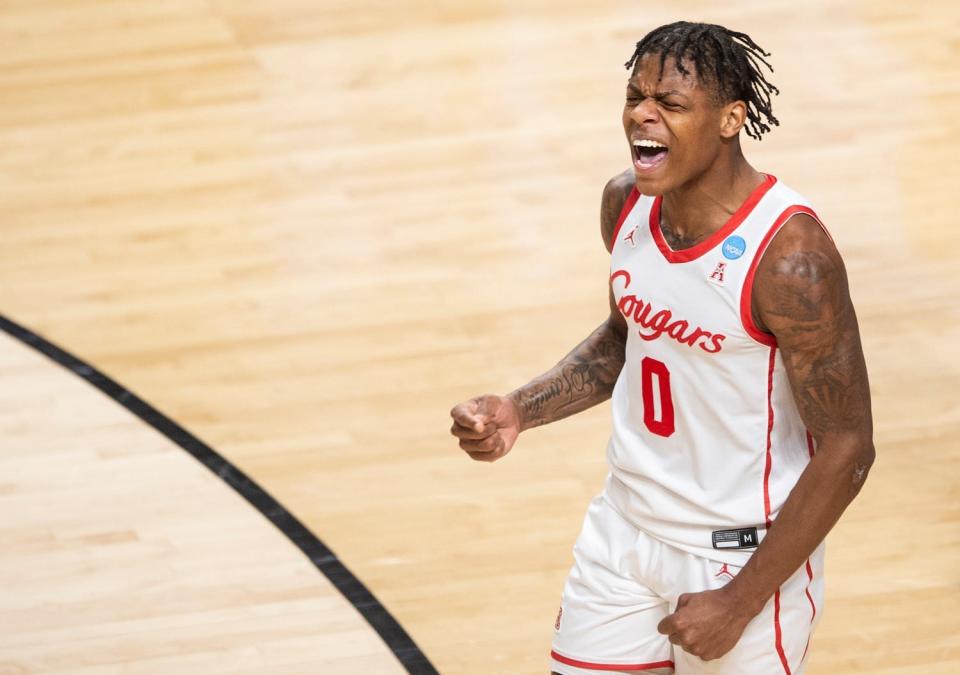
(325, 560)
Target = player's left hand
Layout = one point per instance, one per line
(706, 624)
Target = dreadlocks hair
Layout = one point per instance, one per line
(725, 59)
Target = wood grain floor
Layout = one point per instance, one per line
(122, 554)
(305, 229)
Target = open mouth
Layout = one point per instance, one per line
(648, 154)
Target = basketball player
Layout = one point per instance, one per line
(741, 410)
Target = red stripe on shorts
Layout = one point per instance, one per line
(779, 633)
(610, 666)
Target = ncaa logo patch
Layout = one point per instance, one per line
(734, 247)
(556, 626)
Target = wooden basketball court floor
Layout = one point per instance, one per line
(303, 230)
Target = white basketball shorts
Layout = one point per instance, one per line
(624, 582)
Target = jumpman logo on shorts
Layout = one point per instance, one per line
(724, 570)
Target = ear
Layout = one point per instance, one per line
(732, 118)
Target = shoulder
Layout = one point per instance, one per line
(615, 194)
(801, 276)
(802, 248)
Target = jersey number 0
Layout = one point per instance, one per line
(657, 418)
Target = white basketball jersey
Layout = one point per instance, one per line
(707, 441)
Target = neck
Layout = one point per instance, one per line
(700, 207)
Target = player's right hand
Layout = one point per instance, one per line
(487, 426)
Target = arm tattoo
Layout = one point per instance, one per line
(587, 374)
(808, 308)
(583, 378)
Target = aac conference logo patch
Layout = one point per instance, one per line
(734, 247)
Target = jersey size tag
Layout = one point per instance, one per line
(743, 538)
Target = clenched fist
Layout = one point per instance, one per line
(487, 426)
(707, 624)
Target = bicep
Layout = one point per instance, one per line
(803, 299)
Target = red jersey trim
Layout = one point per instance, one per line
(694, 252)
(768, 468)
(746, 295)
(624, 212)
(813, 606)
(610, 666)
